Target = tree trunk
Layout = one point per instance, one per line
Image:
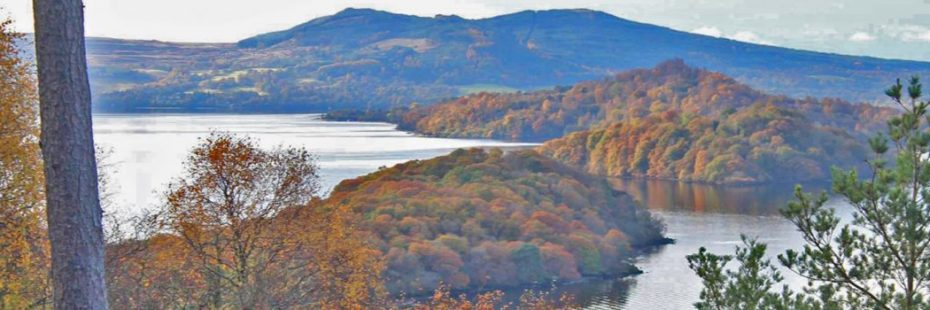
(74, 214)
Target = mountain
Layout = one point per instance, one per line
(480, 219)
(361, 58)
(669, 122)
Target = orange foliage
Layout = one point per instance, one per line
(493, 219)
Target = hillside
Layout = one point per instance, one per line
(669, 122)
(759, 144)
(478, 218)
(361, 58)
(670, 86)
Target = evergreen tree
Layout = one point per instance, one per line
(879, 260)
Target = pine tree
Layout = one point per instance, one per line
(880, 260)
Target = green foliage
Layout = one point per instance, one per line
(751, 286)
(528, 260)
(478, 218)
(880, 260)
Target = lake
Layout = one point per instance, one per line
(148, 151)
(697, 215)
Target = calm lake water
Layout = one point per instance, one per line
(697, 215)
(148, 151)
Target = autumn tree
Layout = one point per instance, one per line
(24, 249)
(442, 299)
(880, 260)
(329, 261)
(224, 205)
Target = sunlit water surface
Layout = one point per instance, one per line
(148, 151)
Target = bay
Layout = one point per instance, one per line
(147, 152)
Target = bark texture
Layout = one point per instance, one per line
(74, 214)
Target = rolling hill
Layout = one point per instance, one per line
(360, 58)
(670, 86)
(669, 122)
(479, 219)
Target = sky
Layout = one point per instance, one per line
(881, 28)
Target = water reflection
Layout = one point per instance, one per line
(696, 215)
(149, 149)
(667, 196)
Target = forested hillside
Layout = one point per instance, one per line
(671, 86)
(360, 58)
(669, 122)
(478, 218)
(762, 143)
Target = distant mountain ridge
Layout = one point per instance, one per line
(362, 58)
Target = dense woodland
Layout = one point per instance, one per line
(761, 143)
(478, 218)
(671, 86)
(669, 122)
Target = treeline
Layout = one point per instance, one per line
(479, 219)
(669, 122)
(671, 86)
(257, 91)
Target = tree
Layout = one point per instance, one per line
(224, 209)
(73, 207)
(23, 240)
(881, 260)
(242, 229)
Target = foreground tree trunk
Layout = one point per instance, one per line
(74, 214)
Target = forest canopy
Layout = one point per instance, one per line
(762, 143)
(671, 86)
(669, 122)
(477, 218)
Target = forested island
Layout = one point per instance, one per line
(245, 226)
(670, 122)
(489, 219)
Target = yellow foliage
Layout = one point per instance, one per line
(24, 248)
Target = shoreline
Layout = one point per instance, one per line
(554, 284)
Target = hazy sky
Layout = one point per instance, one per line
(883, 28)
